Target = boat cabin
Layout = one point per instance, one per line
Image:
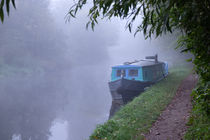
(140, 71)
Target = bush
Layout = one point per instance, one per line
(199, 123)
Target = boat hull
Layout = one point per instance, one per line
(126, 90)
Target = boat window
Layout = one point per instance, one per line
(145, 74)
(120, 73)
(133, 72)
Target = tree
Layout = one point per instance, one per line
(7, 4)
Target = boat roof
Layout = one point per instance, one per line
(138, 64)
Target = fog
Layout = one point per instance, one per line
(53, 74)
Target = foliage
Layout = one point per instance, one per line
(199, 121)
(134, 119)
(201, 95)
(199, 124)
(7, 4)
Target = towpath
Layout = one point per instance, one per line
(171, 125)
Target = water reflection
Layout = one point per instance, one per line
(59, 130)
(16, 137)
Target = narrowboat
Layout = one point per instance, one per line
(131, 78)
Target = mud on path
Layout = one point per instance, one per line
(171, 125)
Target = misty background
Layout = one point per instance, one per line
(54, 75)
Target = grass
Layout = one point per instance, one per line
(133, 120)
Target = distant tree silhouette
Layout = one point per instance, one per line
(31, 73)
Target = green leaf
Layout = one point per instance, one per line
(1, 15)
(189, 60)
(187, 49)
(2, 4)
(92, 25)
(7, 6)
(13, 3)
(158, 30)
(71, 12)
(87, 24)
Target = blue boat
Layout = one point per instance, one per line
(131, 78)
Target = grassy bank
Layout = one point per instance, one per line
(135, 118)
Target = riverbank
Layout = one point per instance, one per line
(172, 122)
(135, 119)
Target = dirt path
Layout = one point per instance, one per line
(171, 124)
